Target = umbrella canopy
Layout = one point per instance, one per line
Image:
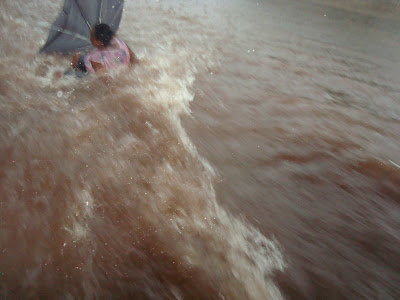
(71, 30)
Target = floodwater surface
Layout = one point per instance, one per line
(252, 154)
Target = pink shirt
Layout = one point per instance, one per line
(113, 56)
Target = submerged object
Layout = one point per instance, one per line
(71, 30)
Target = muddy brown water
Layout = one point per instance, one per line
(253, 154)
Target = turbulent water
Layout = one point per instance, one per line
(252, 154)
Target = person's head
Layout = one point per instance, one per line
(101, 35)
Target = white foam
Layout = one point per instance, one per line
(83, 127)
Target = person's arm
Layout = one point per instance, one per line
(101, 70)
(133, 58)
(98, 67)
(75, 60)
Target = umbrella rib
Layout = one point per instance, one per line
(66, 31)
(80, 10)
(101, 11)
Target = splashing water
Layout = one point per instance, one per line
(102, 192)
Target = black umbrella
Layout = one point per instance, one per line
(71, 30)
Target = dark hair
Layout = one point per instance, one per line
(103, 33)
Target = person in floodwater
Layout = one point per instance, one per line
(110, 52)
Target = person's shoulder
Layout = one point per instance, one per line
(119, 41)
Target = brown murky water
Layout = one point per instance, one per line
(254, 154)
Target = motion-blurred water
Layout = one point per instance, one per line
(253, 154)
